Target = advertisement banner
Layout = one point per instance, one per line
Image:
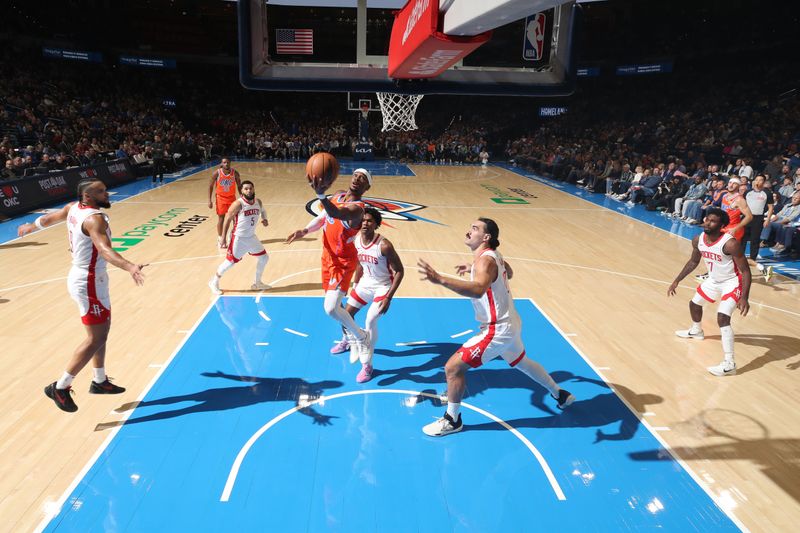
(150, 62)
(25, 194)
(649, 68)
(363, 152)
(418, 50)
(551, 111)
(587, 72)
(76, 55)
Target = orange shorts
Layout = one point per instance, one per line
(739, 235)
(223, 204)
(337, 275)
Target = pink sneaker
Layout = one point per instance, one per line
(365, 374)
(341, 346)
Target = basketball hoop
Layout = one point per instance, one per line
(398, 111)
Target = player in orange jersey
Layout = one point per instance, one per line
(341, 223)
(739, 213)
(222, 181)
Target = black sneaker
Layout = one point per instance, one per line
(105, 387)
(564, 398)
(62, 397)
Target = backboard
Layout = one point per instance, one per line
(342, 46)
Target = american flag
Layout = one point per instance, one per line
(295, 41)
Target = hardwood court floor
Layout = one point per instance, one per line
(600, 276)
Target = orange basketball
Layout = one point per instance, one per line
(322, 170)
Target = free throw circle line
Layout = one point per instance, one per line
(234, 472)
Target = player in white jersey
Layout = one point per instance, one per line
(501, 328)
(728, 280)
(90, 244)
(244, 213)
(375, 282)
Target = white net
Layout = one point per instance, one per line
(398, 111)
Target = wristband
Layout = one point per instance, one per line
(305, 231)
(38, 223)
(321, 196)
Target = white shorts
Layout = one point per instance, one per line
(364, 293)
(244, 245)
(495, 340)
(90, 292)
(727, 292)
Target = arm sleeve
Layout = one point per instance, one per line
(316, 224)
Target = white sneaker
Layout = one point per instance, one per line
(258, 286)
(443, 426)
(689, 334)
(213, 284)
(725, 368)
(768, 274)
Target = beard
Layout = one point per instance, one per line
(103, 203)
(249, 197)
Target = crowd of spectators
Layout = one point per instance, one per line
(674, 155)
(679, 154)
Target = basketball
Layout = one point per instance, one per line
(322, 170)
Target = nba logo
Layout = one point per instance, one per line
(533, 42)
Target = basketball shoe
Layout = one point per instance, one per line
(105, 387)
(768, 274)
(341, 346)
(259, 286)
(689, 334)
(365, 374)
(61, 397)
(725, 368)
(565, 398)
(213, 284)
(443, 426)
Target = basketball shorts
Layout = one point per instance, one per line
(90, 292)
(727, 292)
(223, 204)
(337, 275)
(739, 235)
(365, 293)
(244, 245)
(503, 339)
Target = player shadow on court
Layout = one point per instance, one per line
(478, 381)
(258, 390)
(283, 240)
(23, 244)
(597, 411)
(297, 287)
(4, 300)
(779, 348)
(777, 458)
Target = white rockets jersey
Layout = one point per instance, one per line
(244, 225)
(84, 253)
(496, 305)
(720, 266)
(373, 262)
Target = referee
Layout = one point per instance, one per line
(759, 201)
